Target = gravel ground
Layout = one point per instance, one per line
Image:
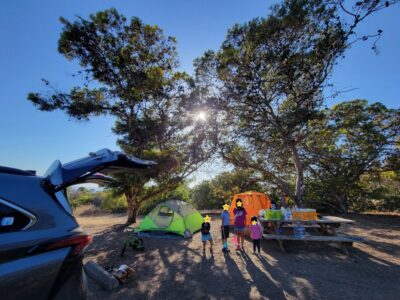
(176, 269)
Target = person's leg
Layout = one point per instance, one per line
(242, 234)
(254, 246)
(226, 232)
(204, 246)
(258, 245)
(224, 239)
(223, 236)
(211, 244)
(237, 239)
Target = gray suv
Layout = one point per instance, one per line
(41, 243)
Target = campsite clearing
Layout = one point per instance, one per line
(176, 269)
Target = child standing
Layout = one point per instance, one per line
(225, 228)
(240, 223)
(206, 234)
(255, 234)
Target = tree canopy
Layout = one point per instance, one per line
(220, 190)
(267, 81)
(350, 140)
(128, 70)
(263, 91)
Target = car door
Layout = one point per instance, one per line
(105, 161)
(87, 170)
(24, 275)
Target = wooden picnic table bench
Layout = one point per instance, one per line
(324, 231)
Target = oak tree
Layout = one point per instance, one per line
(128, 71)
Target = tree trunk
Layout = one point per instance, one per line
(299, 175)
(133, 207)
(283, 200)
(342, 202)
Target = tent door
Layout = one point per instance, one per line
(164, 217)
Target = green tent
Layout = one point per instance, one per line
(172, 216)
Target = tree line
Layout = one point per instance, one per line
(263, 90)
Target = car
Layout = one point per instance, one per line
(41, 243)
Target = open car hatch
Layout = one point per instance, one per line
(87, 169)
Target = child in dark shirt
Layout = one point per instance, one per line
(206, 234)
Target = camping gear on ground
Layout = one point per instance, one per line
(253, 202)
(132, 241)
(103, 276)
(273, 214)
(304, 214)
(172, 216)
(122, 274)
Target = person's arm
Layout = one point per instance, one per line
(260, 228)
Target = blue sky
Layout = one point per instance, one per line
(29, 32)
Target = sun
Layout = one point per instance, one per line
(201, 116)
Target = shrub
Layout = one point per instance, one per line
(113, 204)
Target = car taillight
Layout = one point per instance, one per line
(78, 244)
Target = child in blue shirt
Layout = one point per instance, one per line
(225, 228)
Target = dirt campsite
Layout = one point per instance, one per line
(177, 269)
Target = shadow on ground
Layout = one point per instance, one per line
(177, 269)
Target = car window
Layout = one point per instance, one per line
(14, 218)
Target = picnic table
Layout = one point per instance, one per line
(320, 230)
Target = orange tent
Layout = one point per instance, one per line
(253, 202)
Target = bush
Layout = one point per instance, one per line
(104, 200)
(79, 197)
(212, 194)
(81, 200)
(112, 204)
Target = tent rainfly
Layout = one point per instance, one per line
(172, 216)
